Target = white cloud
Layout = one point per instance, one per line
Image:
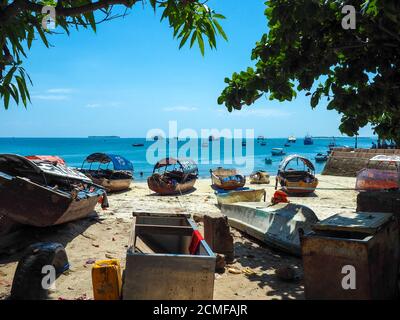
(93, 105)
(262, 113)
(60, 90)
(180, 108)
(50, 97)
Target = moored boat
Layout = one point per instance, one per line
(227, 179)
(277, 151)
(277, 226)
(292, 139)
(173, 176)
(296, 181)
(308, 140)
(268, 161)
(240, 195)
(320, 157)
(43, 193)
(117, 178)
(137, 144)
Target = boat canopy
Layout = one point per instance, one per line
(119, 162)
(185, 165)
(14, 165)
(285, 162)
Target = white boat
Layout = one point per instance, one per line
(277, 151)
(277, 225)
(292, 139)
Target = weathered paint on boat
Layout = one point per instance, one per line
(243, 195)
(113, 185)
(277, 225)
(227, 179)
(160, 187)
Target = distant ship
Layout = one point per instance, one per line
(308, 140)
(104, 137)
(292, 139)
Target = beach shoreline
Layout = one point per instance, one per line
(106, 236)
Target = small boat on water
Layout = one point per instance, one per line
(295, 181)
(277, 152)
(259, 177)
(240, 195)
(268, 161)
(260, 138)
(138, 145)
(173, 176)
(292, 139)
(276, 225)
(287, 144)
(227, 179)
(320, 157)
(263, 143)
(114, 179)
(308, 140)
(44, 193)
(244, 143)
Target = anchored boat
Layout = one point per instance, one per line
(320, 157)
(308, 140)
(227, 179)
(277, 225)
(259, 177)
(118, 178)
(292, 139)
(240, 195)
(43, 193)
(277, 152)
(294, 180)
(173, 176)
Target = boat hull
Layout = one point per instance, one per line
(248, 195)
(298, 187)
(221, 179)
(277, 226)
(32, 204)
(113, 185)
(162, 188)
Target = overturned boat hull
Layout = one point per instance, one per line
(241, 195)
(277, 226)
(29, 203)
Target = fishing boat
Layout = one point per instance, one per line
(117, 178)
(227, 179)
(259, 177)
(295, 181)
(308, 140)
(268, 161)
(260, 138)
(44, 193)
(287, 144)
(292, 139)
(276, 225)
(137, 144)
(239, 195)
(55, 159)
(263, 143)
(173, 176)
(277, 151)
(320, 157)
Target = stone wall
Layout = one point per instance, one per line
(347, 162)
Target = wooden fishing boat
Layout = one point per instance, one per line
(259, 177)
(295, 181)
(118, 178)
(277, 226)
(173, 176)
(277, 151)
(43, 193)
(240, 195)
(227, 179)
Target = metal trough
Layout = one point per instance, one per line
(159, 264)
(366, 244)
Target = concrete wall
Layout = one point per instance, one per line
(347, 162)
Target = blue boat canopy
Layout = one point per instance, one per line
(184, 165)
(119, 162)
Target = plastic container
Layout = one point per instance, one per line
(106, 279)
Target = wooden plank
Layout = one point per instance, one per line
(177, 213)
(143, 229)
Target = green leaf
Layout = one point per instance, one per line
(201, 42)
(220, 30)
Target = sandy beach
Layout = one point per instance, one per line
(105, 235)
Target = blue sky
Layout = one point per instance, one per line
(130, 77)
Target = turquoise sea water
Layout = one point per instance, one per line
(74, 151)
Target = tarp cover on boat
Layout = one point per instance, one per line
(13, 165)
(119, 162)
(186, 165)
(285, 162)
(47, 158)
(376, 179)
